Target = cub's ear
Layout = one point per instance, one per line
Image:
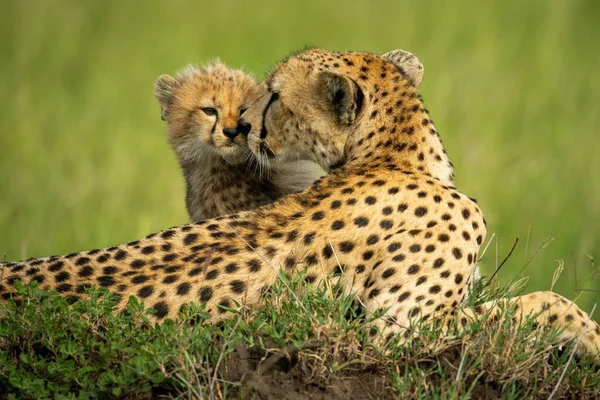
(163, 91)
(343, 96)
(407, 64)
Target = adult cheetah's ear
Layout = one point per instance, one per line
(342, 94)
(163, 91)
(407, 64)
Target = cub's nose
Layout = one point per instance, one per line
(231, 133)
(244, 127)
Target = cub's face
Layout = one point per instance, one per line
(202, 107)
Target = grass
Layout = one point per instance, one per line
(315, 342)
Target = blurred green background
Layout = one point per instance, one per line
(513, 87)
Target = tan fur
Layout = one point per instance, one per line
(221, 177)
(386, 221)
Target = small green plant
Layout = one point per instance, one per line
(304, 339)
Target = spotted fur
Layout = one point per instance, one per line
(386, 220)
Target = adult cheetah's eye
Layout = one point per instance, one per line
(243, 110)
(209, 111)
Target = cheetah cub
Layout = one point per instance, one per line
(201, 106)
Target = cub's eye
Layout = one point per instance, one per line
(209, 111)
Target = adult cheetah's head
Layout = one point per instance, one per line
(202, 107)
(316, 99)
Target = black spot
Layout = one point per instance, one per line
(367, 255)
(162, 309)
(205, 293)
(466, 213)
(231, 268)
(372, 239)
(414, 269)
(399, 258)
(254, 265)
(337, 225)
(393, 190)
(311, 260)
(420, 211)
(336, 204)
(137, 264)
(403, 296)
(292, 236)
(82, 261)
(445, 274)
(457, 253)
(421, 280)
(224, 305)
(443, 237)
(388, 272)
(402, 207)
(57, 266)
(64, 287)
(370, 200)
(327, 252)
(393, 247)
(183, 289)
(458, 278)
(86, 271)
(386, 224)
(414, 312)
(346, 246)
(430, 248)
(290, 262)
(435, 289)
(170, 279)
(319, 215)
(479, 239)
(415, 248)
(238, 286)
(387, 210)
(167, 234)
(361, 221)
(438, 263)
(309, 237)
(148, 250)
(190, 238)
(106, 281)
(62, 276)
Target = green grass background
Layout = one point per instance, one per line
(513, 87)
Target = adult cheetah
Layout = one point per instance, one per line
(386, 219)
(201, 106)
